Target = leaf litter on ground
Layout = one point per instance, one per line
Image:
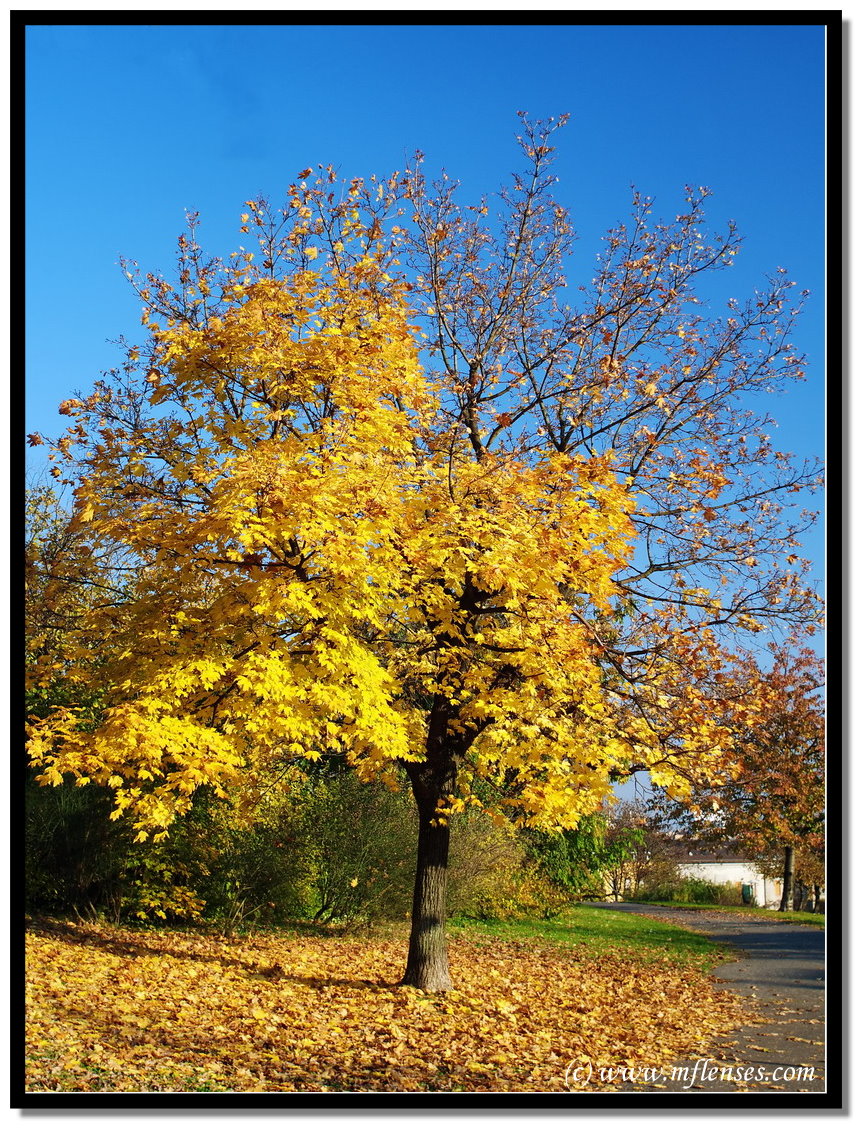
(111, 1009)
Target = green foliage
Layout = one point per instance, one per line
(358, 838)
(74, 856)
(256, 875)
(78, 860)
(587, 860)
(692, 890)
(330, 849)
(569, 859)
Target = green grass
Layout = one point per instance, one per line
(815, 918)
(601, 930)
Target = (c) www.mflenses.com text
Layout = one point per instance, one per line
(583, 1073)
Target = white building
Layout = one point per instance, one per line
(725, 866)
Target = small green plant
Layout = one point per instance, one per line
(692, 890)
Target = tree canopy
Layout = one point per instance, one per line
(377, 491)
(773, 796)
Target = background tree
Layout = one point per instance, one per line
(596, 857)
(77, 859)
(59, 557)
(506, 572)
(74, 854)
(626, 841)
(772, 802)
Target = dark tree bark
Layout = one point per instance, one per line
(431, 780)
(427, 964)
(789, 876)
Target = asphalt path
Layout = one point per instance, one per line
(779, 968)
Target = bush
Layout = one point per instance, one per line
(256, 873)
(490, 875)
(331, 849)
(692, 890)
(358, 841)
(568, 862)
(600, 855)
(74, 854)
(78, 860)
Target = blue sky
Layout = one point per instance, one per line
(127, 127)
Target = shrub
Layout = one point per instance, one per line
(78, 860)
(358, 841)
(256, 873)
(490, 875)
(692, 890)
(329, 848)
(74, 855)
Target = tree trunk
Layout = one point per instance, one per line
(431, 781)
(427, 965)
(789, 876)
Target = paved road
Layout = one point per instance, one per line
(780, 969)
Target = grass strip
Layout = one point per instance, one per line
(600, 931)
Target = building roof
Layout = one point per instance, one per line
(699, 852)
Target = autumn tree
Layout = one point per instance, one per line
(382, 495)
(596, 855)
(627, 843)
(772, 801)
(58, 556)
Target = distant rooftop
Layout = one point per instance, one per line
(699, 852)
